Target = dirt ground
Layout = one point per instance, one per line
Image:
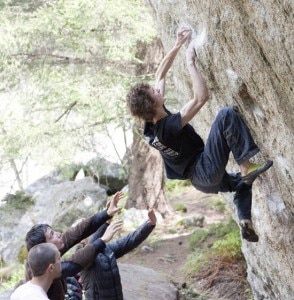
(171, 247)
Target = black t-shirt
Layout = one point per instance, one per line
(179, 146)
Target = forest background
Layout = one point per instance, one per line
(65, 69)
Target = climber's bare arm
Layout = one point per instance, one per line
(167, 61)
(200, 91)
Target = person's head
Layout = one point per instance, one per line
(142, 100)
(44, 259)
(43, 233)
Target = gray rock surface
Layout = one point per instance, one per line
(245, 52)
(109, 174)
(140, 283)
(60, 205)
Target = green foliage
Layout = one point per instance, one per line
(217, 260)
(219, 205)
(69, 171)
(22, 254)
(196, 221)
(181, 207)
(196, 262)
(65, 69)
(198, 238)
(230, 245)
(175, 187)
(19, 200)
(221, 242)
(16, 277)
(219, 230)
(216, 231)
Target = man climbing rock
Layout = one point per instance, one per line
(183, 151)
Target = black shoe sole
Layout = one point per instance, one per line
(249, 235)
(249, 178)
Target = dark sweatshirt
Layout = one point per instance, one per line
(82, 258)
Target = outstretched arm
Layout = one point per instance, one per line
(85, 256)
(88, 226)
(167, 61)
(112, 207)
(129, 242)
(152, 217)
(200, 91)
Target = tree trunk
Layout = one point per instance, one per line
(17, 175)
(146, 178)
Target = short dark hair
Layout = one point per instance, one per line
(40, 257)
(140, 102)
(36, 235)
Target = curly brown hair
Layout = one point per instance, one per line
(140, 102)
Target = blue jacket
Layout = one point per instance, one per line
(102, 280)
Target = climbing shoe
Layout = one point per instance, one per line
(255, 171)
(248, 232)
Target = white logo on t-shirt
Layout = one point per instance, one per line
(166, 150)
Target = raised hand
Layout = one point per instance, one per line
(117, 196)
(183, 35)
(111, 230)
(152, 216)
(112, 207)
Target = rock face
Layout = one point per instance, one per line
(244, 51)
(59, 205)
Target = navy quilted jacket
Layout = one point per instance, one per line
(102, 280)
